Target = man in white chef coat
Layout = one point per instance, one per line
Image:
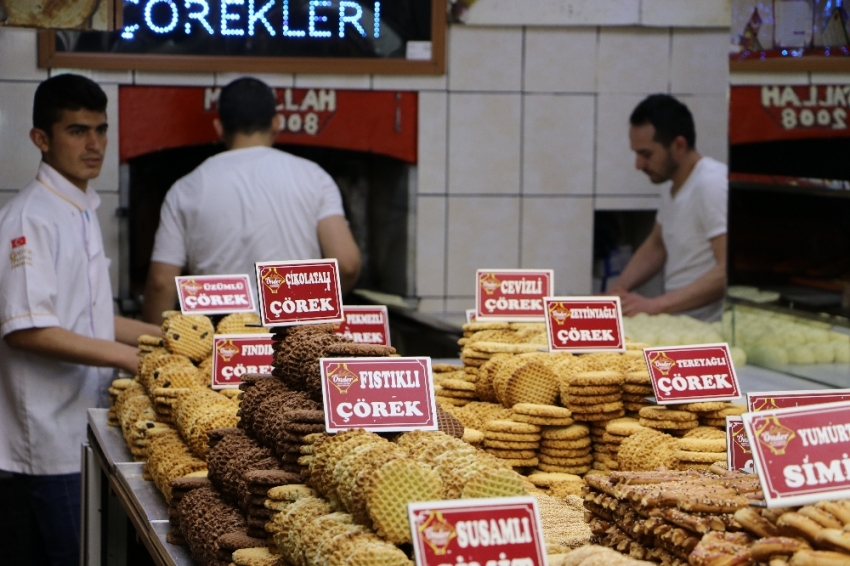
(688, 241)
(247, 204)
(60, 339)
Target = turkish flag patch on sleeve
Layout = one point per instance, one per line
(18, 242)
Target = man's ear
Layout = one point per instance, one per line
(40, 139)
(219, 129)
(680, 145)
(276, 123)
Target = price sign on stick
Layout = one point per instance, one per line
(584, 324)
(378, 394)
(234, 355)
(477, 531)
(801, 453)
(365, 324)
(691, 374)
(766, 400)
(214, 294)
(738, 452)
(299, 292)
(512, 294)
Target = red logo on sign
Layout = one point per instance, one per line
(786, 399)
(299, 292)
(214, 294)
(512, 294)
(799, 453)
(584, 324)
(689, 374)
(477, 531)
(18, 242)
(738, 451)
(238, 354)
(365, 325)
(388, 394)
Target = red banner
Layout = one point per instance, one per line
(154, 118)
(365, 324)
(739, 454)
(477, 531)
(214, 294)
(512, 294)
(801, 453)
(785, 112)
(378, 394)
(690, 374)
(299, 292)
(234, 355)
(768, 400)
(584, 324)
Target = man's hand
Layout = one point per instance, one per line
(632, 304)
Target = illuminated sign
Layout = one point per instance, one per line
(315, 19)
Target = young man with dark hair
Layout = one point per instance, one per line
(56, 316)
(250, 203)
(688, 240)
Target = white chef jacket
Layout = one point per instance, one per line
(689, 221)
(53, 272)
(243, 206)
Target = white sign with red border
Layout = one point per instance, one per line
(691, 374)
(767, 400)
(584, 324)
(486, 532)
(378, 394)
(512, 294)
(365, 324)
(234, 355)
(470, 315)
(738, 451)
(214, 294)
(800, 453)
(299, 292)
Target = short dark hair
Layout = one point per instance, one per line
(65, 92)
(246, 106)
(670, 118)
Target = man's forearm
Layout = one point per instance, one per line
(64, 345)
(707, 289)
(643, 266)
(127, 330)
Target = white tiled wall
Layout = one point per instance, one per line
(521, 140)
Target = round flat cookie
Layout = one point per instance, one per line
(512, 427)
(637, 377)
(547, 479)
(668, 425)
(506, 445)
(589, 378)
(588, 390)
(563, 469)
(717, 445)
(536, 410)
(706, 432)
(700, 457)
(706, 407)
(573, 432)
(579, 411)
(664, 414)
(566, 444)
(491, 435)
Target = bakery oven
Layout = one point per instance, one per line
(365, 140)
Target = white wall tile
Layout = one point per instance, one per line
(482, 232)
(107, 181)
(274, 80)
(430, 245)
(626, 203)
(558, 136)
(749, 78)
(560, 60)
(699, 61)
(174, 78)
(18, 55)
(19, 158)
(633, 60)
(711, 118)
(99, 76)
(431, 304)
(615, 162)
(354, 82)
(554, 12)
(686, 13)
(432, 140)
(409, 82)
(484, 143)
(557, 233)
(830, 78)
(109, 228)
(485, 59)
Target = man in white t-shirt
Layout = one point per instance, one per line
(688, 240)
(60, 338)
(250, 203)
